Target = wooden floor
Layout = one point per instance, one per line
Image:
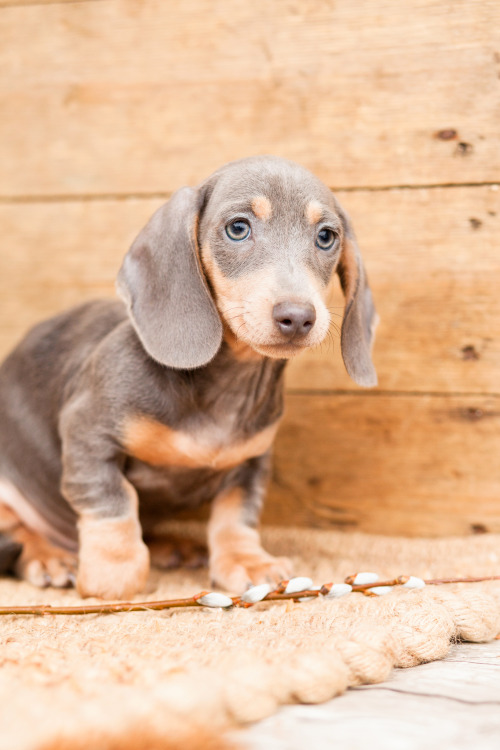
(447, 705)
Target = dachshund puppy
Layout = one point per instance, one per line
(118, 413)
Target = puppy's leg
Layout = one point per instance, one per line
(113, 561)
(236, 557)
(40, 562)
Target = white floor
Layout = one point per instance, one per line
(447, 705)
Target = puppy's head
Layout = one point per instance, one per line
(254, 247)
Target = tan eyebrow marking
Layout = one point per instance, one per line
(314, 212)
(261, 206)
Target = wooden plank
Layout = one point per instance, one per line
(56, 255)
(125, 97)
(476, 653)
(480, 683)
(410, 466)
(435, 278)
(466, 714)
(378, 721)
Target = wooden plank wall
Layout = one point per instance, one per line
(108, 106)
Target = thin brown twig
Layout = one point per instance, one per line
(401, 580)
(105, 609)
(278, 595)
(439, 581)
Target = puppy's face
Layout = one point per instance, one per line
(270, 236)
(251, 250)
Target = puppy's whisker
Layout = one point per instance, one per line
(234, 317)
(243, 325)
(332, 312)
(232, 309)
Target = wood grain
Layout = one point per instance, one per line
(414, 466)
(436, 705)
(119, 97)
(431, 255)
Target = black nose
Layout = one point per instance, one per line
(294, 319)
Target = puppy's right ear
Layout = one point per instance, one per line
(164, 288)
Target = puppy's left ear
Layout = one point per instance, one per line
(164, 288)
(360, 316)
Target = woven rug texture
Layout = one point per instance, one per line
(185, 676)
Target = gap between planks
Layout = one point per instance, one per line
(390, 393)
(420, 694)
(25, 3)
(87, 197)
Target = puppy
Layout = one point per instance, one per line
(118, 413)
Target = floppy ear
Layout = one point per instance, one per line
(163, 286)
(360, 316)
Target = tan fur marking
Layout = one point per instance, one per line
(232, 301)
(261, 206)
(314, 212)
(222, 286)
(240, 349)
(348, 270)
(236, 554)
(159, 445)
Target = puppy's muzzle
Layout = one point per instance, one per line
(294, 320)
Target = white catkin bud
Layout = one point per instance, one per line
(256, 593)
(365, 578)
(338, 590)
(214, 599)
(380, 590)
(414, 583)
(298, 584)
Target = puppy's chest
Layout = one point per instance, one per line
(209, 445)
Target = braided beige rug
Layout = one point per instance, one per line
(180, 678)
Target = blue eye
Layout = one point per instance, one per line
(238, 230)
(326, 239)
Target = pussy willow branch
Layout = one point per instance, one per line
(192, 601)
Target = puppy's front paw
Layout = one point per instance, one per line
(235, 571)
(113, 560)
